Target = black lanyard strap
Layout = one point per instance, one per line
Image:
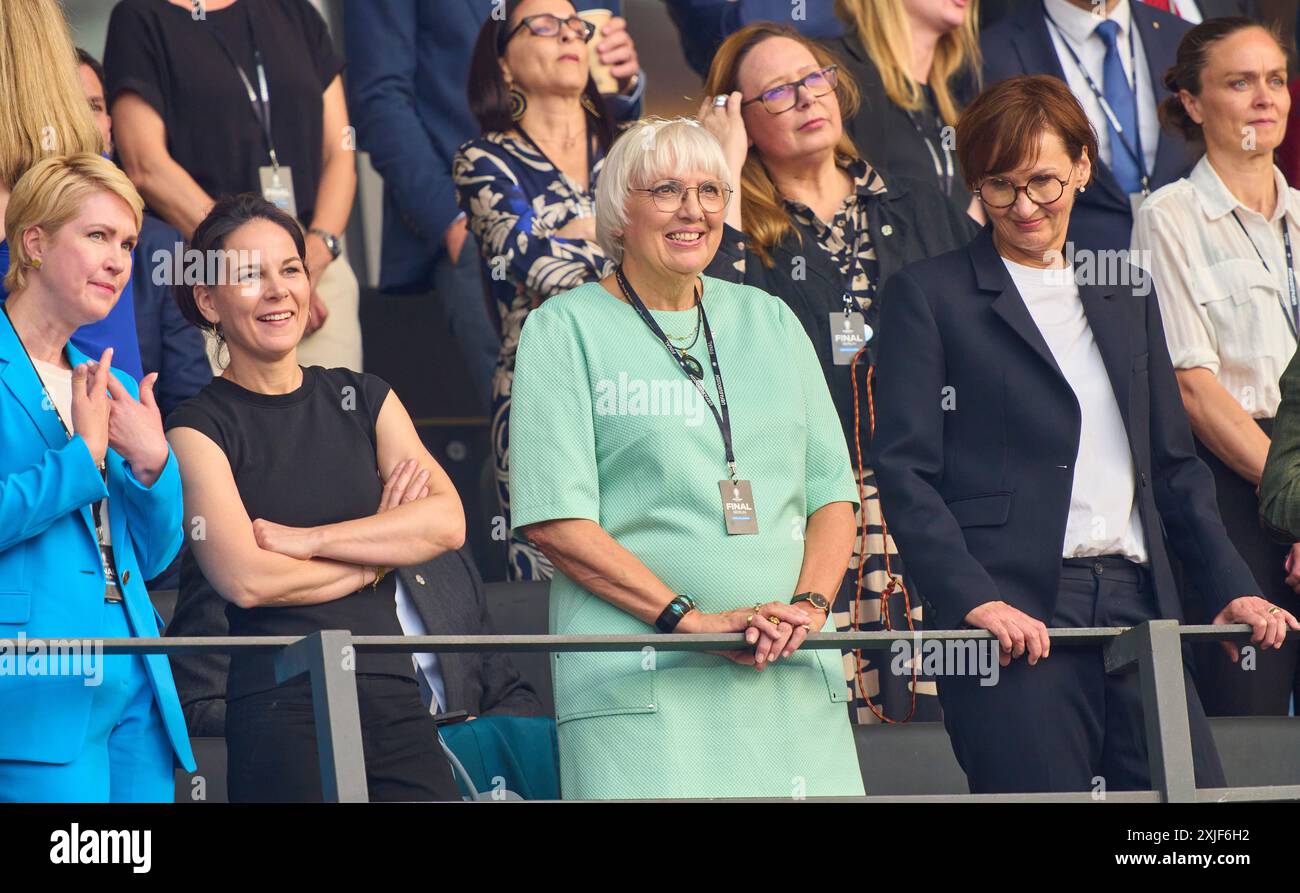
(1292, 314)
(944, 169)
(1134, 149)
(721, 416)
(261, 102)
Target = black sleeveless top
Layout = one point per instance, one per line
(301, 459)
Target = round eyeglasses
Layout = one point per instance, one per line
(548, 25)
(1041, 190)
(670, 195)
(784, 97)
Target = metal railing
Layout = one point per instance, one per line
(1152, 649)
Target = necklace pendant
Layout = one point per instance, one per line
(692, 365)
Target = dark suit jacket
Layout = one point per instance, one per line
(408, 62)
(977, 432)
(169, 345)
(1214, 9)
(448, 595)
(1021, 44)
(884, 133)
(920, 223)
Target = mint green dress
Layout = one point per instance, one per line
(606, 427)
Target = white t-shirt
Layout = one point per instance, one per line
(58, 384)
(1104, 517)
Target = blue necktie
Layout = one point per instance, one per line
(1119, 95)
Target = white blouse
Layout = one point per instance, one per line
(1223, 308)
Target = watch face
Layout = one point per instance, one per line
(819, 601)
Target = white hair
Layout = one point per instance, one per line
(651, 149)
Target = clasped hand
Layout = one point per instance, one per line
(106, 415)
(771, 641)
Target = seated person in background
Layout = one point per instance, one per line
(284, 469)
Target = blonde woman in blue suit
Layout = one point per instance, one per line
(90, 505)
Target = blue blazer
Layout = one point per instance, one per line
(1020, 44)
(408, 61)
(51, 576)
(977, 431)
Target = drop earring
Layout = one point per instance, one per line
(518, 104)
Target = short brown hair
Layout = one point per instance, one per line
(51, 194)
(1189, 65)
(1000, 130)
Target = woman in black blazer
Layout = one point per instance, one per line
(819, 227)
(1036, 464)
(917, 65)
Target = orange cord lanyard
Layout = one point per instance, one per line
(894, 582)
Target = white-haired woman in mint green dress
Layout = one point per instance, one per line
(662, 509)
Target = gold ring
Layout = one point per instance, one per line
(1275, 610)
(805, 627)
(749, 621)
(774, 620)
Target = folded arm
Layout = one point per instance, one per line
(227, 550)
(410, 533)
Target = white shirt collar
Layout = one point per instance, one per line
(1217, 201)
(1079, 24)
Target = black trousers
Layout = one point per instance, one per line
(1066, 724)
(272, 752)
(1263, 684)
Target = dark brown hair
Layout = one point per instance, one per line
(1000, 130)
(227, 215)
(489, 97)
(1189, 64)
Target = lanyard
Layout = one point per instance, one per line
(1293, 314)
(261, 103)
(1135, 152)
(103, 469)
(723, 418)
(943, 169)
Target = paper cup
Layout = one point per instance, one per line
(605, 81)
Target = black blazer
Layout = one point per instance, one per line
(1020, 44)
(448, 595)
(908, 221)
(883, 131)
(977, 432)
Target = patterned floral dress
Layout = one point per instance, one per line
(516, 201)
(846, 238)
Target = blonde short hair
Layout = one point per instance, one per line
(650, 148)
(51, 193)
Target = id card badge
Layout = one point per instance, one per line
(849, 333)
(277, 188)
(738, 507)
(1135, 200)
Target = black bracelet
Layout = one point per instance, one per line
(673, 614)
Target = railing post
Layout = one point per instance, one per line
(1156, 648)
(322, 656)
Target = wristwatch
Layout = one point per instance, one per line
(816, 599)
(331, 241)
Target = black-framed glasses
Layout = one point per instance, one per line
(1041, 190)
(547, 25)
(784, 97)
(670, 195)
